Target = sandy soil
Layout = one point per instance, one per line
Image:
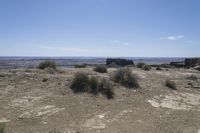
(28, 105)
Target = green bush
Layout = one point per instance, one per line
(94, 88)
(106, 88)
(80, 82)
(2, 127)
(170, 84)
(126, 78)
(47, 64)
(100, 69)
(113, 65)
(158, 68)
(146, 67)
(140, 65)
(44, 79)
(80, 66)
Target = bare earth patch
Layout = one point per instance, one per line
(29, 105)
(178, 101)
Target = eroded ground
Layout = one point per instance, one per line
(29, 105)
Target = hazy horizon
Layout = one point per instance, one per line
(100, 28)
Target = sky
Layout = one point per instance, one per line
(114, 28)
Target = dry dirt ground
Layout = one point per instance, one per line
(29, 105)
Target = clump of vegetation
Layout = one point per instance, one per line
(44, 79)
(2, 127)
(80, 66)
(170, 84)
(80, 82)
(106, 88)
(126, 78)
(146, 67)
(100, 69)
(140, 65)
(47, 64)
(158, 68)
(192, 77)
(94, 85)
(113, 65)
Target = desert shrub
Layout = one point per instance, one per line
(126, 78)
(80, 66)
(2, 127)
(146, 67)
(47, 64)
(192, 77)
(44, 79)
(158, 68)
(94, 88)
(80, 82)
(113, 64)
(100, 69)
(140, 65)
(170, 84)
(105, 87)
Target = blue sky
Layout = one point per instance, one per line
(140, 28)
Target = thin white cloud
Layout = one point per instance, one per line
(70, 49)
(120, 42)
(172, 38)
(125, 43)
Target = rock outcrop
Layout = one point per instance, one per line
(192, 62)
(119, 62)
(177, 64)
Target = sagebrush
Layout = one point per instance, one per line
(83, 83)
(80, 66)
(80, 82)
(100, 69)
(2, 127)
(125, 77)
(170, 84)
(47, 64)
(140, 65)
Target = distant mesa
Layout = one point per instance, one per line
(188, 62)
(119, 62)
(192, 62)
(177, 64)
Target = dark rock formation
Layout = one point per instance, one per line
(177, 64)
(191, 62)
(119, 62)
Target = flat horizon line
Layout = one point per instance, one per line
(99, 56)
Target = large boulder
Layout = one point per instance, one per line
(119, 62)
(191, 62)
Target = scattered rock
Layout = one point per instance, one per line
(177, 101)
(197, 68)
(4, 120)
(43, 112)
